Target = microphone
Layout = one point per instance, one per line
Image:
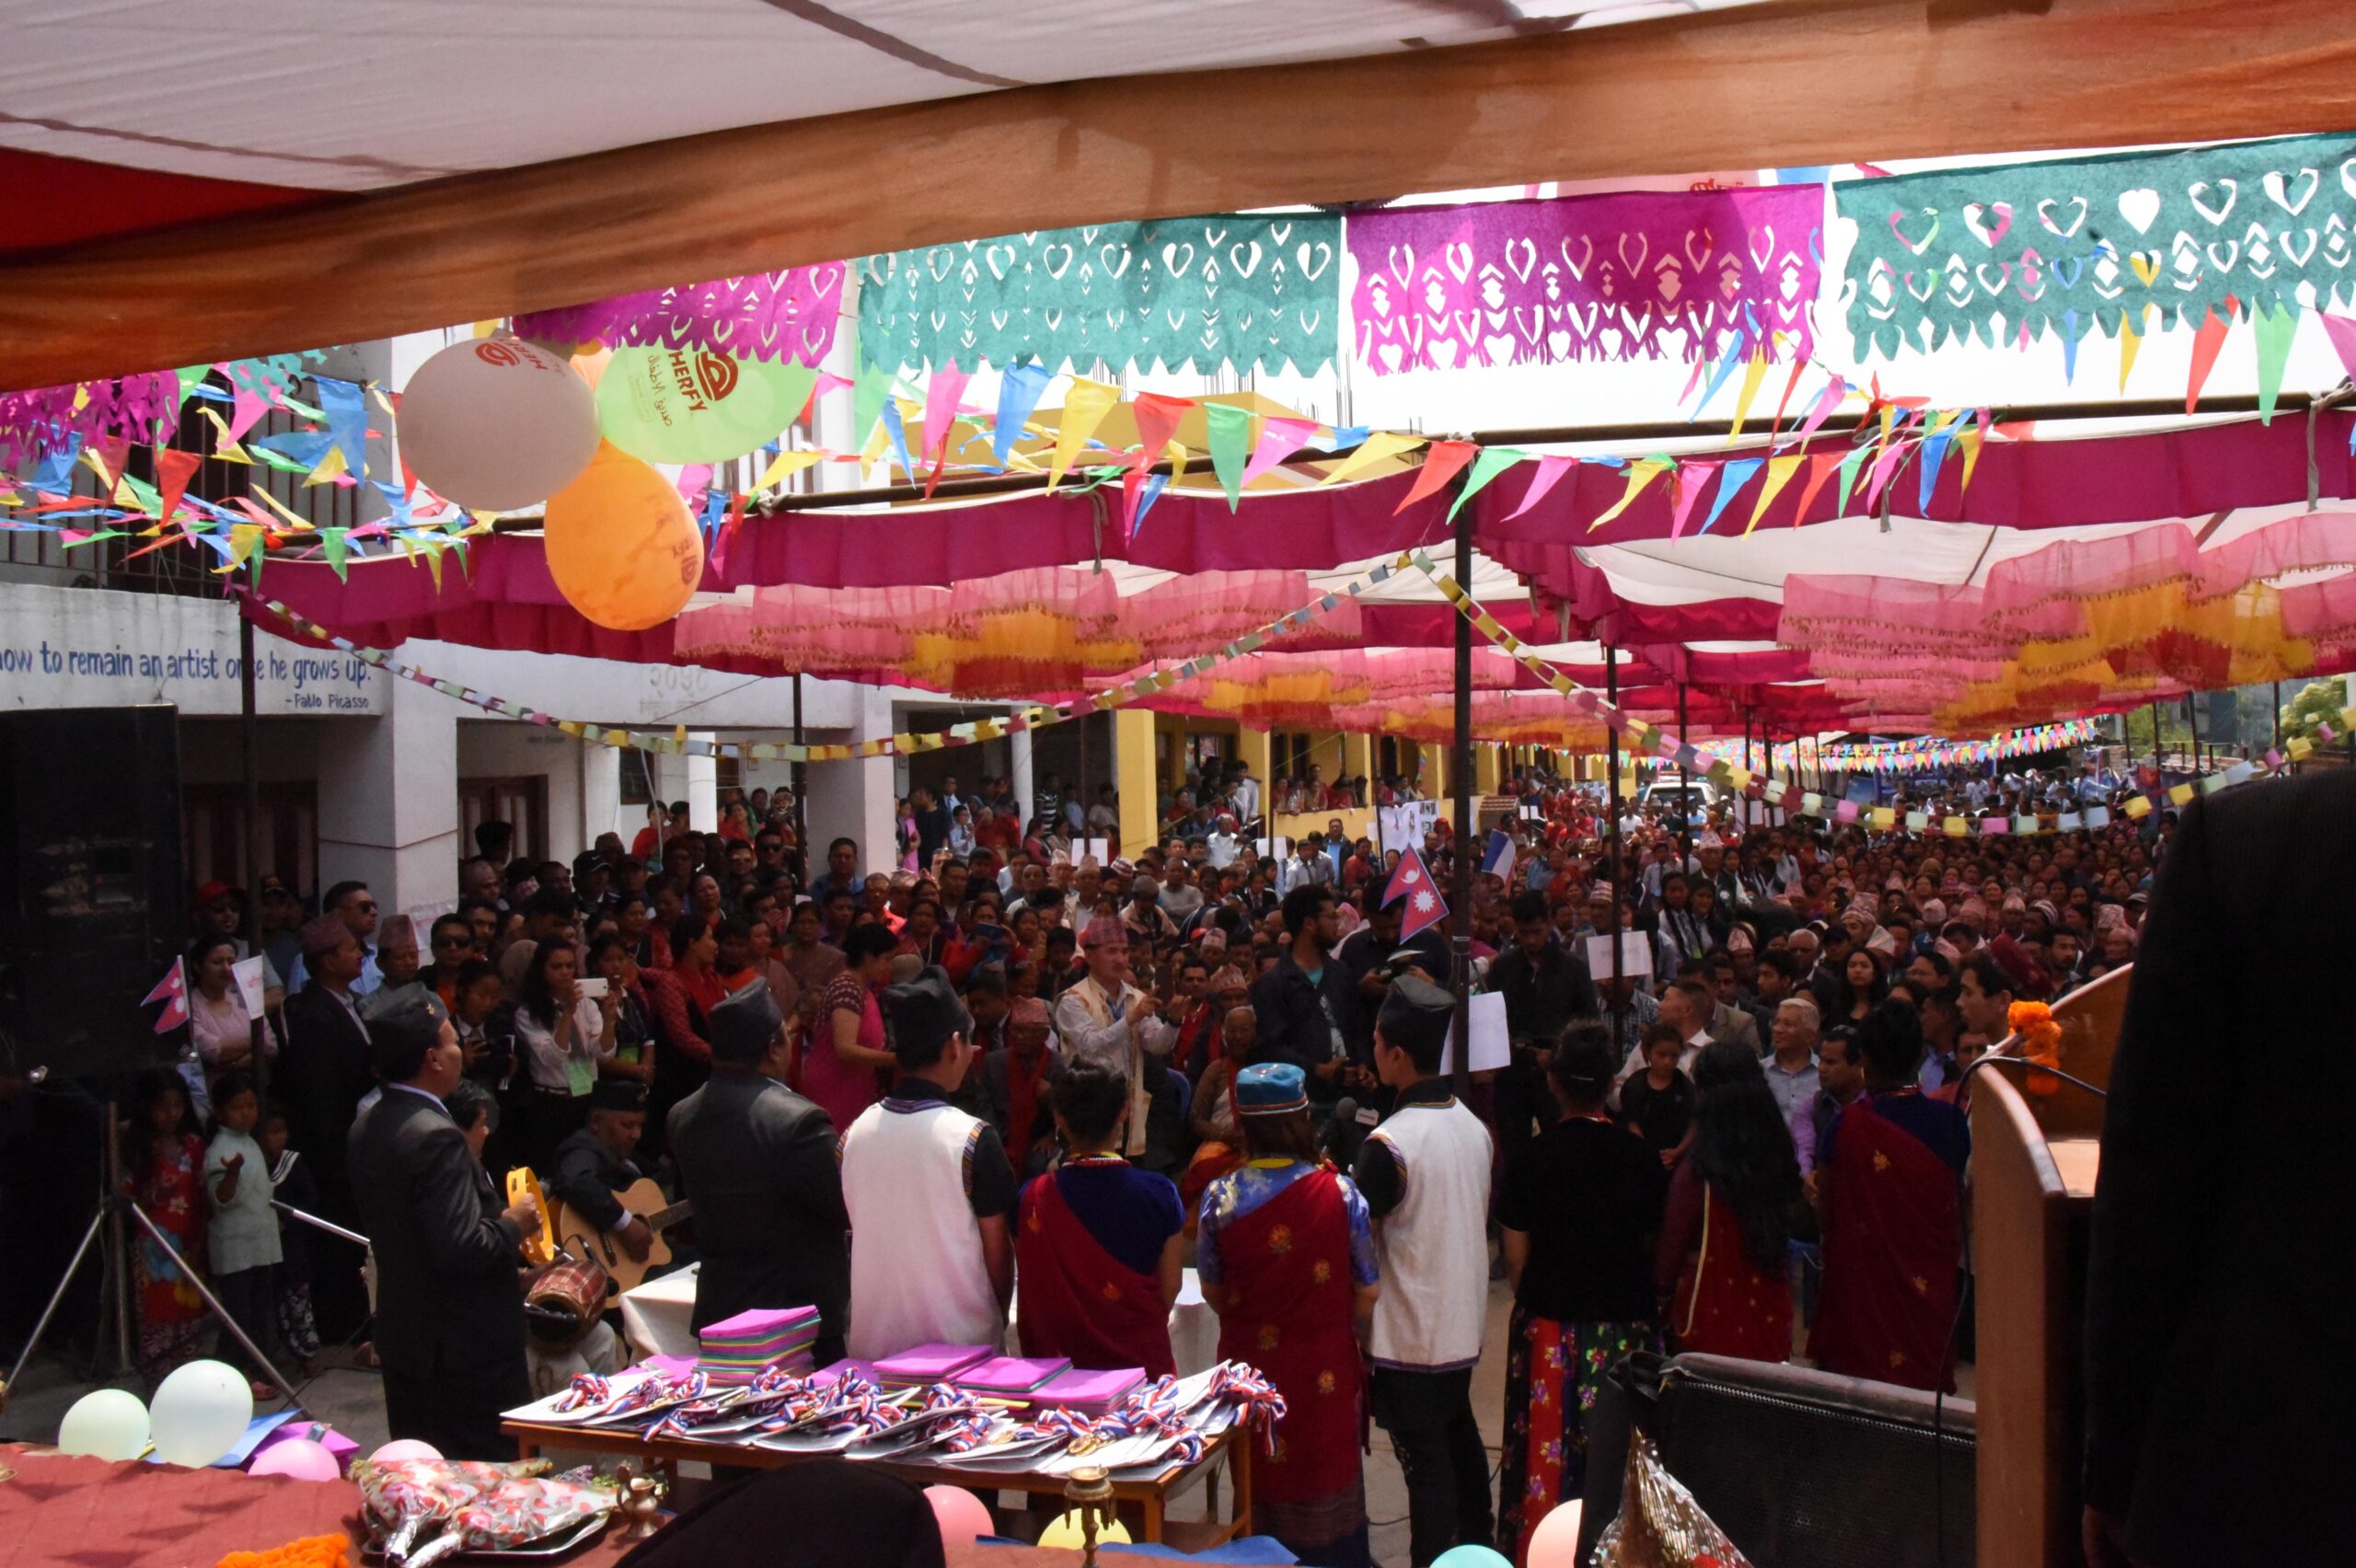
(1342, 1133)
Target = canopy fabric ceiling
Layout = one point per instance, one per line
(295, 101)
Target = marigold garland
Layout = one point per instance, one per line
(2040, 1036)
(310, 1551)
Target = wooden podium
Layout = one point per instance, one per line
(2032, 1161)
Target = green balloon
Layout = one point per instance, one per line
(695, 406)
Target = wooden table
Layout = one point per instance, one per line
(1152, 1493)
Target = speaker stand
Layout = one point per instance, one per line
(106, 1231)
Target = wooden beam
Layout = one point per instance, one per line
(1819, 82)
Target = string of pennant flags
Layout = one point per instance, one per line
(677, 742)
(1646, 739)
(1923, 753)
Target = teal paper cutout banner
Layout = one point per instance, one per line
(1258, 292)
(2072, 246)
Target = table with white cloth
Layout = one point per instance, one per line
(656, 1318)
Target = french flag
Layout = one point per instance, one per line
(1412, 880)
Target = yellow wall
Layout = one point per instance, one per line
(1435, 776)
(1357, 756)
(1134, 777)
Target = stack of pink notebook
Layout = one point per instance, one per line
(1011, 1376)
(736, 1350)
(1089, 1391)
(928, 1364)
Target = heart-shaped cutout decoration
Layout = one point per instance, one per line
(1975, 218)
(2283, 190)
(2140, 207)
(1916, 246)
(2216, 211)
(2075, 205)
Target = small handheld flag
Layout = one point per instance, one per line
(1497, 858)
(1413, 880)
(172, 991)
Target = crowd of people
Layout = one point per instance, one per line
(1013, 1076)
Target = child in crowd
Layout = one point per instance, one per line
(1657, 1104)
(242, 1238)
(163, 1159)
(290, 1183)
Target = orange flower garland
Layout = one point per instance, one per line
(2040, 1036)
(311, 1551)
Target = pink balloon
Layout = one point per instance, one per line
(962, 1517)
(297, 1458)
(1555, 1542)
(406, 1449)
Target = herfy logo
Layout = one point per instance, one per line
(703, 378)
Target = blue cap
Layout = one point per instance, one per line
(1271, 1089)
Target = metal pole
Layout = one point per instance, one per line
(2157, 743)
(2192, 722)
(2278, 715)
(250, 782)
(1461, 910)
(1684, 788)
(801, 787)
(1611, 916)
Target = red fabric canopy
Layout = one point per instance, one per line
(57, 200)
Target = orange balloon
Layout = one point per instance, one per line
(620, 544)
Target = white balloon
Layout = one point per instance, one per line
(496, 423)
(106, 1424)
(200, 1412)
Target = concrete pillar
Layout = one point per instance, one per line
(601, 795)
(1251, 746)
(853, 798)
(1433, 779)
(694, 779)
(1135, 777)
(1358, 760)
(1485, 768)
(388, 801)
(1018, 771)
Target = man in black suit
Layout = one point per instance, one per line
(2218, 1358)
(758, 1160)
(449, 1298)
(321, 1077)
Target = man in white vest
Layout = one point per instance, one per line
(929, 1190)
(1424, 1173)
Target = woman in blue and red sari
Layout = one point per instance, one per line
(1889, 1184)
(1097, 1241)
(1286, 1252)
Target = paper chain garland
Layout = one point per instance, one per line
(678, 743)
(1646, 739)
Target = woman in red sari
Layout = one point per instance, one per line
(1723, 1262)
(1097, 1243)
(1287, 1260)
(1889, 1185)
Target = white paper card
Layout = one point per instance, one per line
(1635, 955)
(1491, 1047)
(247, 971)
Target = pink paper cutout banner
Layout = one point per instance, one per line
(34, 422)
(1620, 277)
(775, 316)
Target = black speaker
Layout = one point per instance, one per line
(91, 910)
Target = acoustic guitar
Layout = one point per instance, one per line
(643, 1198)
